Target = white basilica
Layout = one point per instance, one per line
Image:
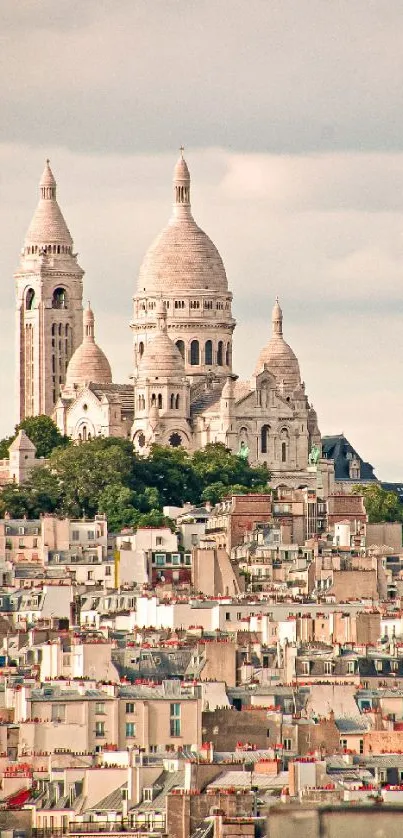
(184, 390)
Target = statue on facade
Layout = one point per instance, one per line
(314, 455)
(243, 450)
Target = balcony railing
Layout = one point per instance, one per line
(95, 828)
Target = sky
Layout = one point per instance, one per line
(291, 115)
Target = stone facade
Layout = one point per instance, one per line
(184, 390)
(49, 305)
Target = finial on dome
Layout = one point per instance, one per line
(181, 185)
(89, 323)
(277, 318)
(47, 183)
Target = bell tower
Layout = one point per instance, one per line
(49, 293)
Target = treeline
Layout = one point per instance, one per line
(107, 476)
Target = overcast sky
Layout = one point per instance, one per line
(291, 113)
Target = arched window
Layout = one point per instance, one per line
(153, 399)
(284, 444)
(177, 402)
(181, 347)
(141, 348)
(172, 401)
(220, 353)
(30, 299)
(228, 355)
(264, 438)
(208, 353)
(59, 298)
(194, 353)
(159, 401)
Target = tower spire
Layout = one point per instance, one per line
(277, 319)
(181, 184)
(47, 183)
(89, 324)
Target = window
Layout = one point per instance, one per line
(100, 707)
(287, 744)
(75, 535)
(176, 559)
(305, 667)
(100, 729)
(350, 667)
(59, 299)
(108, 571)
(90, 575)
(343, 744)
(361, 746)
(220, 349)
(141, 348)
(264, 438)
(181, 346)
(283, 452)
(175, 440)
(379, 665)
(90, 535)
(58, 713)
(194, 353)
(29, 299)
(227, 615)
(129, 707)
(158, 540)
(328, 667)
(130, 729)
(160, 559)
(208, 353)
(159, 401)
(175, 719)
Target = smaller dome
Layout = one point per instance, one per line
(161, 357)
(277, 355)
(88, 363)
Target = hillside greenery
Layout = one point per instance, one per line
(107, 476)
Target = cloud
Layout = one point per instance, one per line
(335, 264)
(268, 75)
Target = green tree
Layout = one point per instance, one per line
(215, 466)
(84, 471)
(5, 445)
(171, 472)
(16, 501)
(43, 432)
(117, 502)
(380, 504)
(44, 490)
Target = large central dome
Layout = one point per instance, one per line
(182, 257)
